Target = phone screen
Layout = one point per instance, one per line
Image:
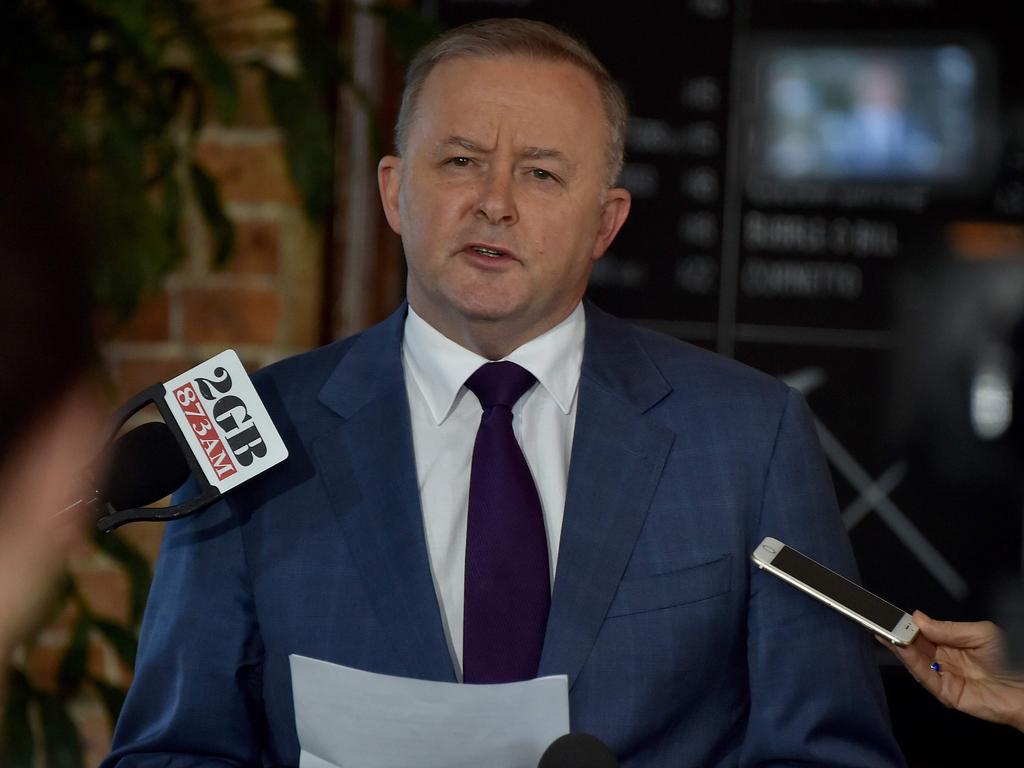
(839, 589)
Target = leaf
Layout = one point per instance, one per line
(113, 698)
(131, 221)
(177, 87)
(407, 29)
(130, 267)
(315, 42)
(60, 736)
(140, 573)
(72, 666)
(123, 640)
(214, 70)
(208, 197)
(17, 748)
(171, 209)
(309, 145)
(130, 21)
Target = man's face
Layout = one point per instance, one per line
(501, 197)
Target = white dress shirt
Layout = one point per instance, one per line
(445, 417)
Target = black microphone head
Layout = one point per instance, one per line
(578, 750)
(143, 466)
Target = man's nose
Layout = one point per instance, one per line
(497, 199)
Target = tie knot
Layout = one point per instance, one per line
(499, 384)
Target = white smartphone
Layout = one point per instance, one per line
(851, 600)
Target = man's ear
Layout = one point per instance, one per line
(389, 182)
(613, 216)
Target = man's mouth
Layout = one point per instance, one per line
(491, 252)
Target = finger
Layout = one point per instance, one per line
(920, 667)
(892, 649)
(957, 634)
(923, 645)
(920, 645)
(913, 658)
(916, 662)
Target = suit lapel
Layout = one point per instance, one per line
(369, 469)
(617, 458)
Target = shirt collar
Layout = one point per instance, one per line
(440, 367)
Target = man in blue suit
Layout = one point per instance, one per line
(657, 468)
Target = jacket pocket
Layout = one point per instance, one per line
(666, 590)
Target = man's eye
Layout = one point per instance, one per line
(459, 162)
(542, 175)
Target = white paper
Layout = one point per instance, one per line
(348, 718)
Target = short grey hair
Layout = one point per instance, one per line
(504, 37)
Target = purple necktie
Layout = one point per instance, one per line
(508, 587)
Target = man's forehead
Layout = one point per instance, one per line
(512, 73)
(544, 107)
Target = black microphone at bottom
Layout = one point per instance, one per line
(578, 750)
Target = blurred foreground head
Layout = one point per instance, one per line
(49, 417)
(46, 341)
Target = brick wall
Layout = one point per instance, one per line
(266, 304)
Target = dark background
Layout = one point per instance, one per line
(890, 300)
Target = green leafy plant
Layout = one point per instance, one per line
(125, 88)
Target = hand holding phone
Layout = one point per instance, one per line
(829, 587)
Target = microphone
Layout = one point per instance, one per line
(578, 750)
(143, 466)
(140, 467)
(216, 430)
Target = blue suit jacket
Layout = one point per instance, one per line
(678, 652)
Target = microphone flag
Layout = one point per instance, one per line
(225, 424)
(221, 426)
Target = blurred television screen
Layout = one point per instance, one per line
(914, 113)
